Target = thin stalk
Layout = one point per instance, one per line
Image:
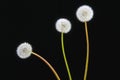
(64, 55)
(87, 55)
(48, 64)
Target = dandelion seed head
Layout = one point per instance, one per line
(63, 25)
(24, 50)
(84, 13)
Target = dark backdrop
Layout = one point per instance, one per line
(34, 22)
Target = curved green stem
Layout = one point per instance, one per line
(63, 51)
(87, 55)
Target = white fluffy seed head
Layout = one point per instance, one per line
(24, 50)
(63, 25)
(84, 13)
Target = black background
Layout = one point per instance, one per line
(34, 22)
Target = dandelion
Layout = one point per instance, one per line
(63, 25)
(24, 50)
(84, 13)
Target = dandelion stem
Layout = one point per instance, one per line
(87, 55)
(48, 64)
(63, 51)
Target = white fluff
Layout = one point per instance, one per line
(24, 50)
(84, 13)
(63, 25)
